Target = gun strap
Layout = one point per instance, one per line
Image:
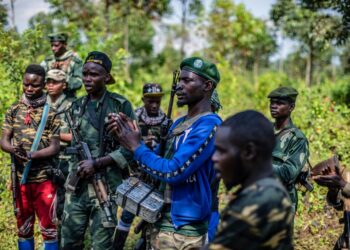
(36, 142)
(102, 124)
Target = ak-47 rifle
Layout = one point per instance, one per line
(344, 240)
(142, 243)
(83, 152)
(14, 183)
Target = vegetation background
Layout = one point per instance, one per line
(241, 44)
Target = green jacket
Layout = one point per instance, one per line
(70, 63)
(289, 157)
(83, 112)
(257, 217)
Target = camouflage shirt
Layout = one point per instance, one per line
(71, 64)
(258, 217)
(14, 121)
(86, 115)
(150, 125)
(62, 103)
(289, 157)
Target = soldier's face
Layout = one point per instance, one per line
(226, 159)
(32, 86)
(55, 88)
(94, 78)
(58, 48)
(190, 88)
(280, 108)
(152, 105)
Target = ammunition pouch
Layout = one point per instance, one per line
(140, 199)
(72, 182)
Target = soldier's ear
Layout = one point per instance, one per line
(64, 85)
(292, 106)
(107, 78)
(208, 86)
(249, 152)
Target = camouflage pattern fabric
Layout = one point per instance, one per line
(289, 157)
(82, 207)
(150, 125)
(25, 134)
(82, 210)
(258, 217)
(171, 240)
(61, 104)
(71, 64)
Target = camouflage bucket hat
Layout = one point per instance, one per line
(56, 74)
(152, 90)
(202, 68)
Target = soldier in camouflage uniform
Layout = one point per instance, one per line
(90, 113)
(259, 216)
(291, 151)
(55, 85)
(150, 119)
(65, 60)
(35, 197)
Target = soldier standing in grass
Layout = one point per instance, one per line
(26, 122)
(291, 151)
(65, 60)
(259, 216)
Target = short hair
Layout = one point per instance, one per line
(36, 69)
(251, 126)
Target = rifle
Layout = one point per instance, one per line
(83, 152)
(142, 243)
(14, 183)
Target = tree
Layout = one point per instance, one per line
(236, 35)
(314, 29)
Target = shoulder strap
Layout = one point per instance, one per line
(36, 142)
(188, 123)
(102, 123)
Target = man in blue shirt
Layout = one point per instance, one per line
(186, 168)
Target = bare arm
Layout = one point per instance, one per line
(6, 141)
(50, 151)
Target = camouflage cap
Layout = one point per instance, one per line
(58, 37)
(286, 93)
(215, 101)
(56, 74)
(152, 90)
(202, 68)
(101, 59)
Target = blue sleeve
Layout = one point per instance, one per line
(191, 154)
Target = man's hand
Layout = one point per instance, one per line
(330, 179)
(125, 130)
(150, 140)
(86, 168)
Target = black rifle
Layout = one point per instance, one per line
(142, 243)
(83, 152)
(14, 183)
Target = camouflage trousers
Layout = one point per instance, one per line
(80, 211)
(162, 240)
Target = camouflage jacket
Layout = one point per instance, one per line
(70, 63)
(14, 121)
(62, 103)
(258, 217)
(150, 125)
(86, 115)
(289, 157)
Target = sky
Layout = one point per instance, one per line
(25, 9)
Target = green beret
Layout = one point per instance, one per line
(286, 93)
(202, 68)
(58, 37)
